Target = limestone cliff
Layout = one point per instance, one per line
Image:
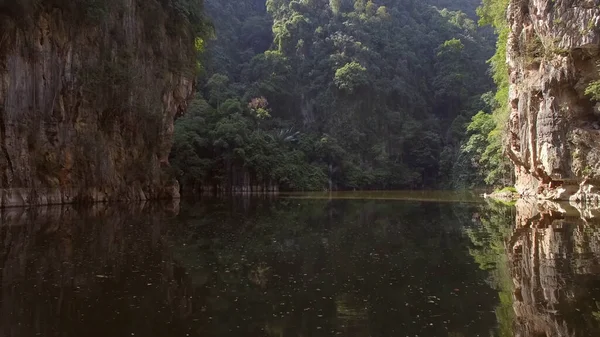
(88, 93)
(554, 128)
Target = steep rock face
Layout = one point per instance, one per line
(554, 128)
(88, 94)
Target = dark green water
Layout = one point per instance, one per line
(298, 266)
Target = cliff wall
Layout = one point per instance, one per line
(554, 127)
(88, 93)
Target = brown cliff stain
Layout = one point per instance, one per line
(87, 103)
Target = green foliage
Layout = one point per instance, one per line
(335, 6)
(351, 76)
(485, 150)
(493, 12)
(192, 11)
(382, 13)
(486, 132)
(451, 46)
(507, 189)
(211, 143)
(217, 87)
(376, 108)
(593, 90)
(360, 6)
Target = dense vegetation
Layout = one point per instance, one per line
(343, 94)
(488, 130)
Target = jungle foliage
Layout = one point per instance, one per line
(353, 95)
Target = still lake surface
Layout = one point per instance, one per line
(349, 264)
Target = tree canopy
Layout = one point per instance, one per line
(360, 94)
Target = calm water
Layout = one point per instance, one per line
(300, 265)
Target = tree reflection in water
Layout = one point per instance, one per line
(336, 267)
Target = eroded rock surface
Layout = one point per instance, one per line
(88, 94)
(554, 128)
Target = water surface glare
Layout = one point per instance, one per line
(300, 265)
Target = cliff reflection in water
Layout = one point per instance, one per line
(546, 268)
(93, 272)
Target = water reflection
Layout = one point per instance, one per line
(243, 267)
(300, 267)
(545, 265)
(92, 272)
(339, 267)
(555, 260)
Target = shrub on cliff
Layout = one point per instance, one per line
(593, 90)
